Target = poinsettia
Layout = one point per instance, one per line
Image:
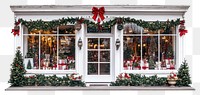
(123, 76)
(172, 76)
(75, 76)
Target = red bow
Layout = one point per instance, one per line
(15, 32)
(100, 12)
(182, 32)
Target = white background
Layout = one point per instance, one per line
(191, 42)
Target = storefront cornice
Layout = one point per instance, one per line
(110, 9)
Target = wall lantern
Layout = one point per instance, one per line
(117, 44)
(80, 43)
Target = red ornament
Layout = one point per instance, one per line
(182, 30)
(98, 12)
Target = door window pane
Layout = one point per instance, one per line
(104, 68)
(92, 68)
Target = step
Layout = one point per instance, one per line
(97, 83)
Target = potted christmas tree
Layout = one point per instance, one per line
(17, 70)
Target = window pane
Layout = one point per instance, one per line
(92, 43)
(132, 28)
(105, 56)
(149, 52)
(48, 49)
(104, 68)
(167, 47)
(104, 43)
(132, 52)
(66, 53)
(92, 68)
(31, 52)
(66, 29)
(92, 56)
(169, 30)
(98, 29)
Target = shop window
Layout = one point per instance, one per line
(148, 50)
(50, 49)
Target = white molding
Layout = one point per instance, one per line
(109, 9)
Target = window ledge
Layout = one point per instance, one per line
(149, 71)
(50, 71)
(97, 88)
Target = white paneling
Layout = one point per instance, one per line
(41, 2)
(151, 2)
(95, 2)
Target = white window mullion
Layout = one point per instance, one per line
(159, 50)
(39, 49)
(141, 49)
(57, 48)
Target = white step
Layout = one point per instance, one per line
(97, 83)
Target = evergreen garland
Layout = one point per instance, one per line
(49, 25)
(139, 80)
(42, 80)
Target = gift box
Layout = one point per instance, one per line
(62, 64)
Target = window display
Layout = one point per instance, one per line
(148, 50)
(51, 49)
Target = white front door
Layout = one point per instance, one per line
(98, 67)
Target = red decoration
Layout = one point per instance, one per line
(98, 12)
(182, 30)
(15, 31)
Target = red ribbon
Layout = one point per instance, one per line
(182, 32)
(15, 32)
(100, 12)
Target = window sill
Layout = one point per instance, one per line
(99, 88)
(50, 71)
(149, 71)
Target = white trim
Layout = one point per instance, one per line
(110, 9)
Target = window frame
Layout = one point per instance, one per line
(39, 71)
(178, 54)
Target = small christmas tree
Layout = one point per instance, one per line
(183, 75)
(29, 65)
(17, 71)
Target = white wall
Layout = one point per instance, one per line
(191, 42)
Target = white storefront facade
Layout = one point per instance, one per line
(102, 55)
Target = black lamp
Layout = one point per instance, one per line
(117, 44)
(80, 43)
